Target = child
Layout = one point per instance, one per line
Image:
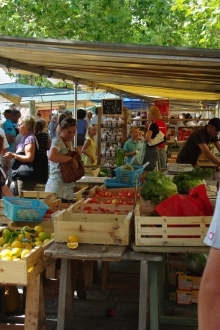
(89, 148)
(133, 145)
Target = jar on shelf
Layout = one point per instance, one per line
(108, 153)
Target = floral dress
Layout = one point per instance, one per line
(55, 182)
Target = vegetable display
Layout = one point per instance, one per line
(188, 180)
(158, 187)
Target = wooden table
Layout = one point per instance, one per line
(111, 253)
(156, 280)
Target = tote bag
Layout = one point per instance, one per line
(159, 138)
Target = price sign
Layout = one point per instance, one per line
(112, 106)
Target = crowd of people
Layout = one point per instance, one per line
(24, 138)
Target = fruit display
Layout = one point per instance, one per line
(15, 244)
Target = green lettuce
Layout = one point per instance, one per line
(158, 187)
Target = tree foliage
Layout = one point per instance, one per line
(156, 22)
(191, 23)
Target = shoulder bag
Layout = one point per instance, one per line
(158, 139)
(73, 169)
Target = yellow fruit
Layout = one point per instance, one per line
(72, 245)
(27, 246)
(46, 240)
(1, 241)
(24, 253)
(7, 258)
(26, 228)
(20, 236)
(38, 243)
(16, 259)
(5, 253)
(73, 239)
(52, 235)
(6, 245)
(42, 236)
(38, 229)
(16, 252)
(27, 235)
(17, 244)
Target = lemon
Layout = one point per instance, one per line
(52, 235)
(17, 244)
(27, 246)
(73, 239)
(24, 253)
(27, 235)
(72, 245)
(5, 253)
(16, 252)
(6, 245)
(38, 229)
(16, 259)
(26, 228)
(38, 243)
(42, 236)
(46, 240)
(20, 236)
(7, 258)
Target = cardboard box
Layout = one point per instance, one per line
(188, 283)
(187, 297)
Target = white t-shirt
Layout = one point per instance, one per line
(213, 235)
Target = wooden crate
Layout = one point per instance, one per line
(114, 191)
(47, 224)
(93, 228)
(44, 196)
(3, 219)
(170, 231)
(22, 272)
(102, 208)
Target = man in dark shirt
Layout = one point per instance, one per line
(198, 142)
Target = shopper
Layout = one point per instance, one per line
(52, 126)
(133, 146)
(81, 127)
(60, 152)
(89, 149)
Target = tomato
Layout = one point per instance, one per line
(122, 194)
(131, 203)
(87, 208)
(96, 196)
(89, 211)
(108, 194)
(117, 212)
(115, 196)
(93, 200)
(121, 202)
(101, 193)
(130, 194)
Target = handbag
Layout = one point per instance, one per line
(159, 138)
(73, 169)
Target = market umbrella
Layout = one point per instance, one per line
(15, 91)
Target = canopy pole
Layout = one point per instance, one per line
(75, 84)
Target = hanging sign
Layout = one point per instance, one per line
(112, 106)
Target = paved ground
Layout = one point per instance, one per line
(89, 313)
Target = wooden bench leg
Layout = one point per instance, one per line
(144, 287)
(105, 274)
(34, 295)
(88, 274)
(65, 306)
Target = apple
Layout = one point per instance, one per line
(110, 312)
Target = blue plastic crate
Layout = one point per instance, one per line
(129, 177)
(113, 183)
(24, 209)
